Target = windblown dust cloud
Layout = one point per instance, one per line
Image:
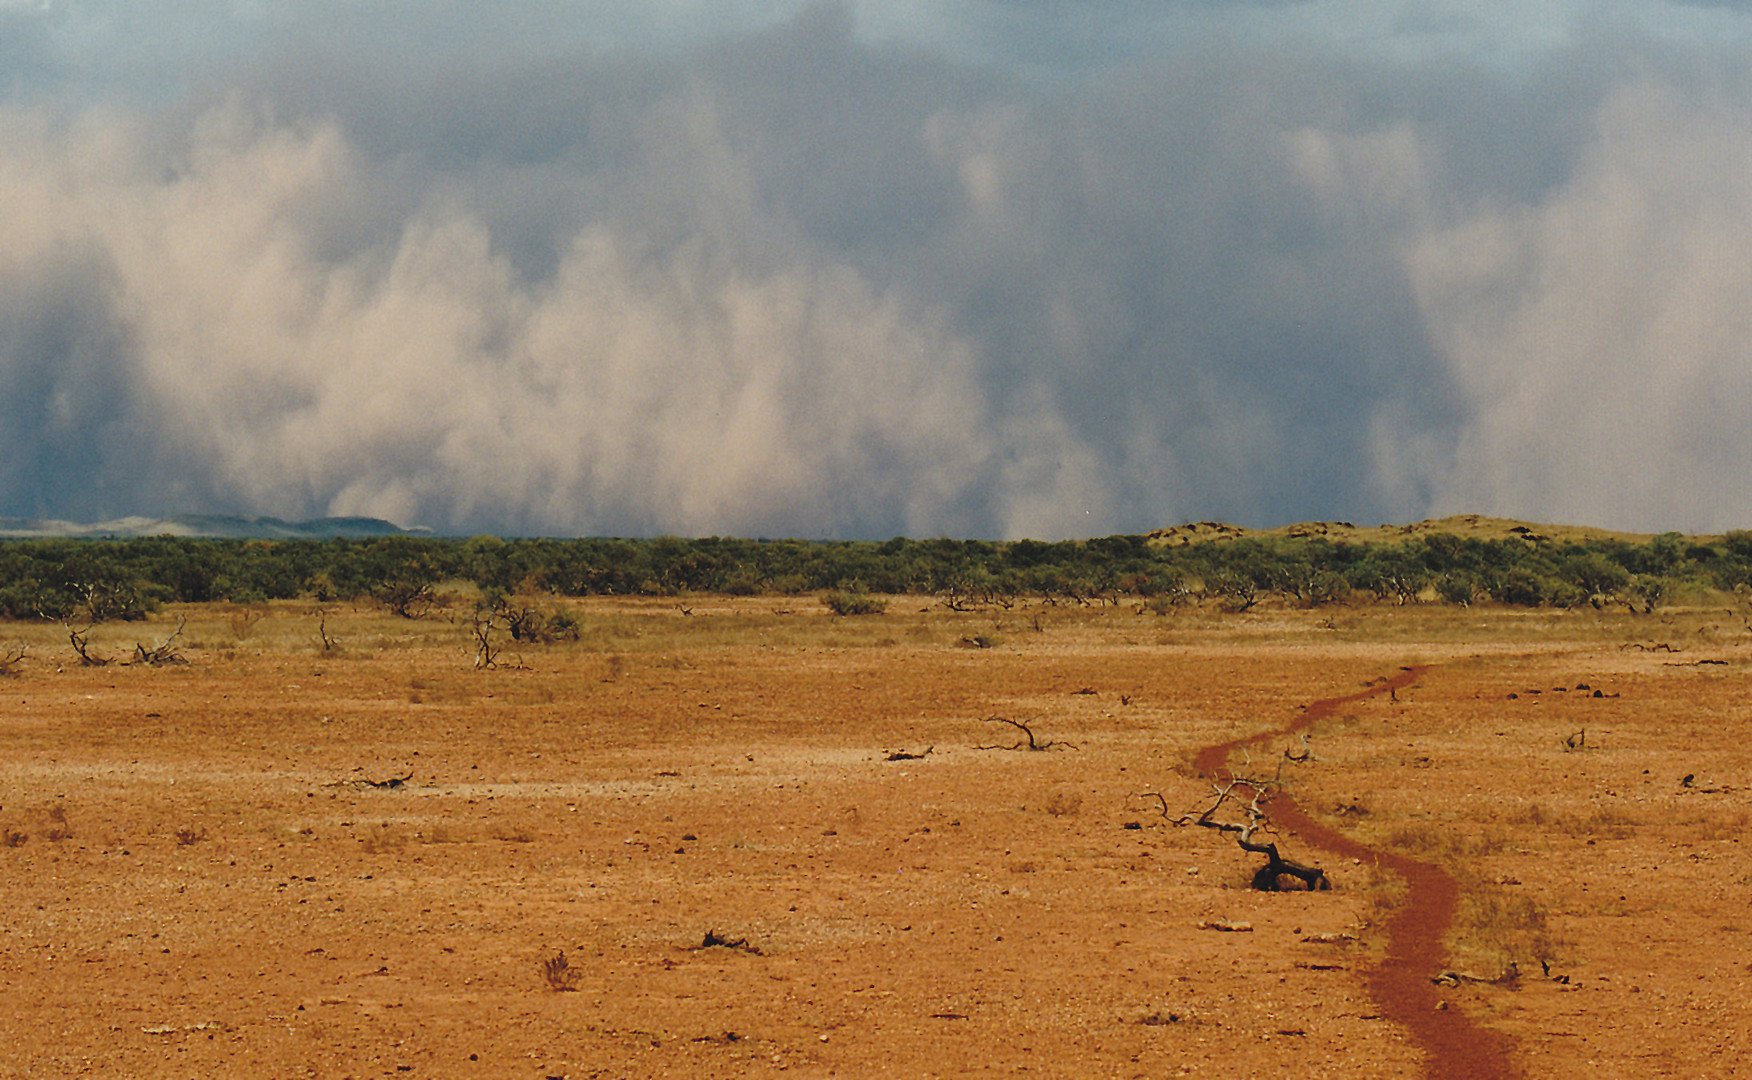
(797, 282)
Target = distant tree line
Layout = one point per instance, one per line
(125, 579)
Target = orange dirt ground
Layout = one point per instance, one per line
(198, 878)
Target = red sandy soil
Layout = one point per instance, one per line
(198, 877)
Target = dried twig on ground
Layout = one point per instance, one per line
(381, 785)
(715, 941)
(165, 652)
(1246, 796)
(1031, 742)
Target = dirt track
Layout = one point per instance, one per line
(1414, 957)
(205, 884)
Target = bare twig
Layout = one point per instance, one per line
(1031, 742)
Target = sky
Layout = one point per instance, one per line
(965, 268)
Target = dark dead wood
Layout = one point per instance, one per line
(1030, 743)
(713, 940)
(902, 755)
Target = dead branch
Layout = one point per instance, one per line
(81, 642)
(10, 661)
(1291, 755)
(714, 941)
(165, 653)
(329, 644)
(363, 783)
(1031, 742)
(486, 653)
(902, 755)
(1245, 797)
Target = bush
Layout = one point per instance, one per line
(1457, 589)
(1522, 588)
(854, 603)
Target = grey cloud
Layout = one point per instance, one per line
(809, 280)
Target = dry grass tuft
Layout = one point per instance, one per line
(1447, 842)
(560, 974)
(243, 621)
(1063, 803)
(1499, 933)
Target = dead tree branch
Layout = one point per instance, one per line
(903, 755)
(1031, 743)
(164, 653)
(486, 653)
(81, 642)
(1245, 817)
(11, 659)
(329, 644)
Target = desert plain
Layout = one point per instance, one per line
(748, 838)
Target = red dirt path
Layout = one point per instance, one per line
(1402, 984)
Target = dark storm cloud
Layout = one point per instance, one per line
(824, 277)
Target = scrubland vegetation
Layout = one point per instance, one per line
(104, 580)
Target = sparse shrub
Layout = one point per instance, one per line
(58, 829)
(1239, 592)
(560, 974)
(853, 603)
(243, 622)
(1532, 813)
(526, 621)
(1606, 822)
(1504, 930)
(1447, 841)
(410, 598)
(1648, 590)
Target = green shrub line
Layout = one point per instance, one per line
(102, 580)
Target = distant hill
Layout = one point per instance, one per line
(205, 525)
(1472, 526)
